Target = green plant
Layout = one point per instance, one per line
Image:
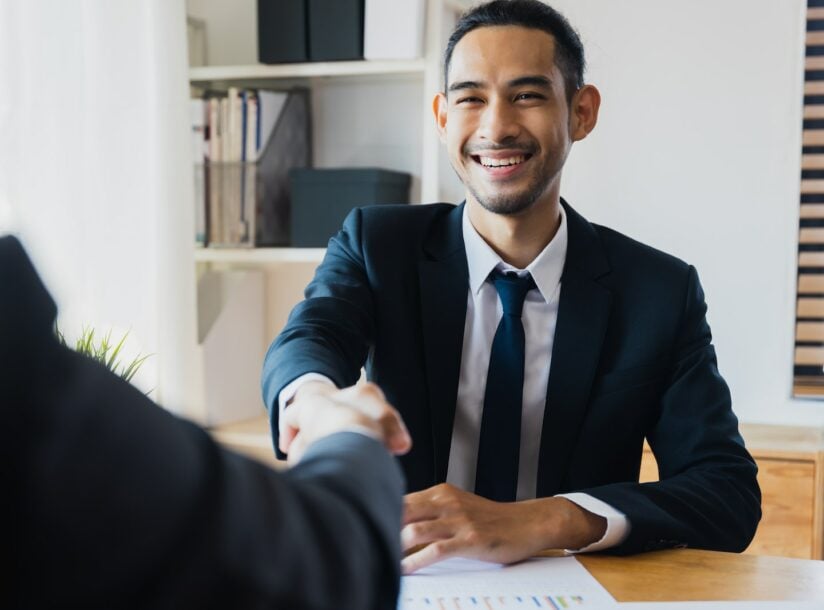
(105, 351)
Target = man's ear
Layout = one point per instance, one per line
(584, 112)
(439, 110)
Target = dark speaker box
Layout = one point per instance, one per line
(282, 34)
(335, 30)
(321, 199)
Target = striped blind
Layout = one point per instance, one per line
(809, 331)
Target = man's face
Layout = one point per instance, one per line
(505, 118)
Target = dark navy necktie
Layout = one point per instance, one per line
(496, 476)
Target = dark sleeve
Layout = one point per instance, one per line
(707, 496)
(332, 330)
(110, 501)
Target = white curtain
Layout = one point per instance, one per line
(95, 170)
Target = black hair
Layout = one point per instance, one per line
(534, 14)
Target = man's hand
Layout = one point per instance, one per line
(313, 415)
(449, 522)
(287, 433)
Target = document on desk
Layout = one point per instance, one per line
(463, 584)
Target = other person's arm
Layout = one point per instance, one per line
(330, 332)
(116, 503)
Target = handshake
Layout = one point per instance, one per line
(319, 409)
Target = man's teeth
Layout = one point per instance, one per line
(489, 162)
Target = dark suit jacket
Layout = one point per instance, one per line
(632, 359)
(111, 502)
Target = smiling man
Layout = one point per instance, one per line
(529, 351)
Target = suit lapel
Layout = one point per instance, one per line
(444, 284)
(583, 314)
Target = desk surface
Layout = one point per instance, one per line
(693, 575)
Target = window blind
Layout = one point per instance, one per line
(809, 331)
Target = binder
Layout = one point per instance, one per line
(249, 203)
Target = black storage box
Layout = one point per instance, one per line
(321, 199)
(282, 36)
(335, 30)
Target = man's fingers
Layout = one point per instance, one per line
(296, 449)
(418, 506)
(324, 412)
(289, 427)
(369, 400)
(424, 532)
(285, 437)
(437, 551)
(291, 416)
(367, 397)
(398, 440)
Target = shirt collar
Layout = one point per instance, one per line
(546, 269)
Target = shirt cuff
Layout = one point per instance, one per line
(618, 525)
(288, 392)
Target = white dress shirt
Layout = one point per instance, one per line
(483, 312)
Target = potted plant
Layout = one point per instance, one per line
(105, 351)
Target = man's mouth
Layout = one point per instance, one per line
(502, 167)
(490, 162)
(501, 161)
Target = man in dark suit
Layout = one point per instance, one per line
(112, 502)
(529, 351)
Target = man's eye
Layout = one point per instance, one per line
(468, 100)
(529, 96)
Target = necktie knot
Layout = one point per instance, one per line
(512, 290)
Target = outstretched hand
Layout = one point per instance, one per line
(314, 415)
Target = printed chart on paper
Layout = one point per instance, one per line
(559, 583)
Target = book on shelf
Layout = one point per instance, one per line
(199, 112)
(251, 139)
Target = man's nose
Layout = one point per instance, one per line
(499, 122)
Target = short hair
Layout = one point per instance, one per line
(533, 14)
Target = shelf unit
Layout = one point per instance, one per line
(258, 256)
(434, 179)
(374, 105)
(219, 76)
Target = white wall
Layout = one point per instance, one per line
(231, 30)
(94, 152)
(697, 152)
(349, 126)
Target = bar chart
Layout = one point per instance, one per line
(504, 602)
(557, 583)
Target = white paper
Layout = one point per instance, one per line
(463, 584)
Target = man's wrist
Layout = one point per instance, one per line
(311, 387)
(565, 525)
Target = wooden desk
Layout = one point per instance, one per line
(693, 575)
(791, 475)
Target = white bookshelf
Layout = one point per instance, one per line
(365, 113)
(258, 256)
(219, 75)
